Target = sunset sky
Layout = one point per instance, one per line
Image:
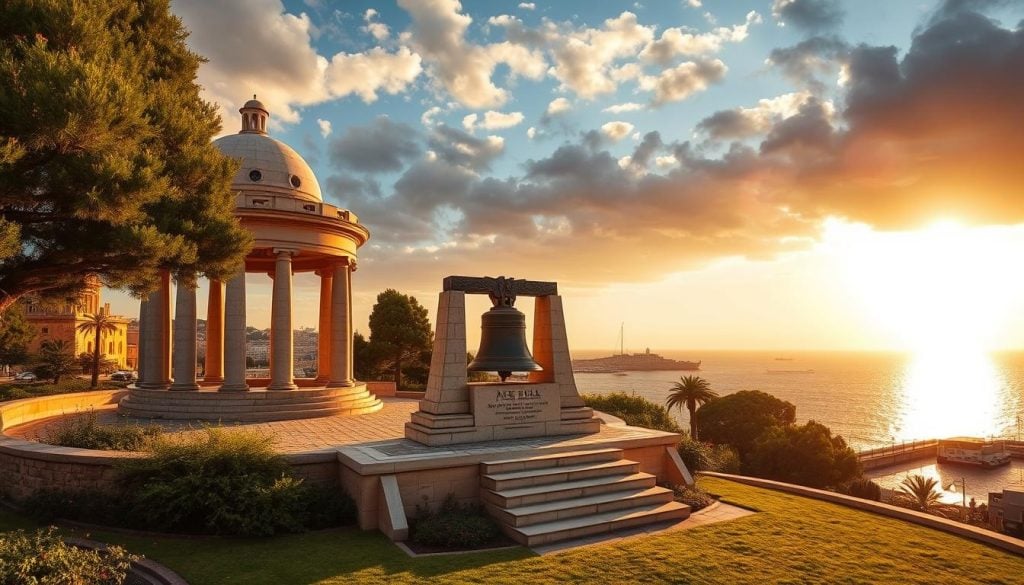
(807, 174)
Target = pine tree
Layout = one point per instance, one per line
(399, 330)
(106, 164)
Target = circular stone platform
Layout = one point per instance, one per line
(256, 405)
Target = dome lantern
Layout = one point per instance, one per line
(254, 117)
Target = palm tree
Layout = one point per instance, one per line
(691, 391)
(922, 492)
(55, 355)
(97, 324)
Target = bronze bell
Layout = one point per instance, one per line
(503, 343)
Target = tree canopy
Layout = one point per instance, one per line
(739, 419)
(15, 335)
(106, 164)
(803, 454)
(399, 331)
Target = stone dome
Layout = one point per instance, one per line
(267, 165)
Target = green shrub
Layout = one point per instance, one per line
(225, 483)
(739, 419)
(692, 496)
(637, 411)
(84, 432)
(700, 456)
(726, 458)
(453, 526)
(43, 558)
(19, 390)
(697, 456)
(862, 488)
(327, 506)
(806, 454)
(47, 505)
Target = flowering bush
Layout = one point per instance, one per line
(42, 557)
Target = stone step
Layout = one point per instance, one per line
(255, 394)
(243, 398)
(185, 405)
(577, 412)
(561, 474)
(244, 416)
(571, 528)
(596, 504)
(525, 496)
(553, 460)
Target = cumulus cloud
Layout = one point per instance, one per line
(463, 69)
(626, 107)
(366, 74)
(378, 30)
(527, 5)
(492, 120)
(383, 145)
(617, 130)
(675, 41)
(739, 123)
(683, 80)
(558, 106)
(808, 60)
(584, 58)
(932, 131)
(462, 149)
(269, 52)
(325, 127)
(810, 15)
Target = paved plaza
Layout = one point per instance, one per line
(290, 436)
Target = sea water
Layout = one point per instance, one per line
(872, 399)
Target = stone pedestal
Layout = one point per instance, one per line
(454, 411)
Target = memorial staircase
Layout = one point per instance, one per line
(550, 498)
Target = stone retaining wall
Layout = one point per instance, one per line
(27, 466)
(1007, 543)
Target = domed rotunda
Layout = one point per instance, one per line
(278, 198)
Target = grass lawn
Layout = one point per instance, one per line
(790, 540)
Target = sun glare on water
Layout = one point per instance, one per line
(944, 293)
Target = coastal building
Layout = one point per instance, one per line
(972, 451)
(62, 321)
(1006, 510)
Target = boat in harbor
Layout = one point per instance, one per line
(972, 451)
(635, 362)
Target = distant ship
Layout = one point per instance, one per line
(636, 362)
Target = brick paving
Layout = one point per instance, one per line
(290, 436)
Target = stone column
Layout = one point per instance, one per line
(323, 351)
(234, 336)
(185, 339)
(341, 327)
(165, 328)
(154, 337)
(215, 333)
(282, 361)
(140, 355)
